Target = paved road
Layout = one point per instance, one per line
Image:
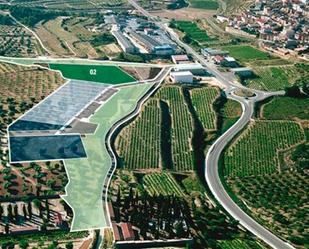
(212, 157)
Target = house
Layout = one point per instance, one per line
(58, 220)
(116, 232)
(127, 231)
(177, 59)
(111, 211)
(182, 77)
(218, 59)
(24, 230)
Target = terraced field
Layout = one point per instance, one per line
(255, 151)
(202, 100)
(162, 184)
(139, 143)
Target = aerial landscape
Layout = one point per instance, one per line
(169, 124)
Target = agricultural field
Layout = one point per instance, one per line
(192, 32)
(70, 37)
(255, 151)
(280, 201)
(72, 5)
(181, 134)
(162, 183)
(244, 53)
(202, 4)
(239, 244)
(286, 108)
(15, 41)
(202, 100)
(24, 87)
(143, 133)
(95, 73)
(277, 78)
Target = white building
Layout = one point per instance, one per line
(182, 77)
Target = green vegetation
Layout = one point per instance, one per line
(286, 108)
(246, 52)
(239, 244)
(31, 16)
(161, 184)
(192, 32)
(95, 73)
(280, 200)
(143, 133)
(103, 39)
(42, 237)
(300, 157)
(255, 152)
(202, 100)
(204, 4)
(182, 127)
(5, 20)
(278, 78)
(230, 113)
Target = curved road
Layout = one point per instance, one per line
(213, 155)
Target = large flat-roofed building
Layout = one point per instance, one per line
(194, 68)
(185, 77)
(180, 58)
(213, 52)
(163, 50)
(242, 71)
(125, 44)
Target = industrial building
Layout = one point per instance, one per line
(182, 77)
(125, 44)
(242, 71)
(194, 68)
(209, 52)
(181, 58)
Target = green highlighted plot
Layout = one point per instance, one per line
(95, 73)
(87, 175)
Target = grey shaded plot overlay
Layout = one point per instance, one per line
(60, 107)
(41, 148)
(87, 175)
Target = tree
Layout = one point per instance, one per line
(16, 212)
(10, 212)
(47, 209)
(24, 211)
(23, 244)
(1, 211)
(69, 245)
(29, 207)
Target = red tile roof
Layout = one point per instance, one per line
(127, 231)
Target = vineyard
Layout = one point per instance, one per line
(139, 143)
(255, 152)
(162, 184)
(280, 200)
(238, 244)
(202, 100)
(15, 41)
(181, 127)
